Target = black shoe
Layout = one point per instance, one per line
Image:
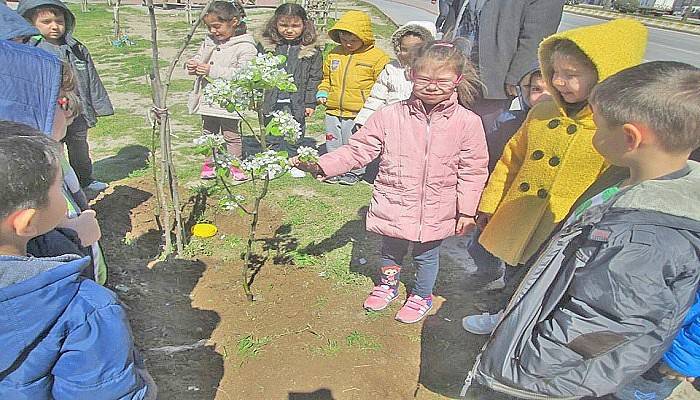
(332, 179)
(349, 179)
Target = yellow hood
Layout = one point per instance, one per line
(355, 22)
(611, 46)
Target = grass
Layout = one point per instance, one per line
(250, 347)
(362, 341)
(330, 349)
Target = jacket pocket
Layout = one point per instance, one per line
(386, 204)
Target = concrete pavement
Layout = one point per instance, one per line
(663, 44)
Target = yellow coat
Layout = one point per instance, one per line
(348, 77)
(551, 161)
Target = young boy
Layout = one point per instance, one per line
(550, 162)
(64, 337)
(56, 24)
(608, 294)
(349, 73)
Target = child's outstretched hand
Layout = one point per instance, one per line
(312, 168)
(669, 373)
(465, 224)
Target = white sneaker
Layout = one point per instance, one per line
(482, 324)
(497, 284)
(96, 186)
(297, 173)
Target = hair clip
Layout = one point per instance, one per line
(444, 44)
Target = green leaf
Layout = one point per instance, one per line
(283, 154)
(222, 172)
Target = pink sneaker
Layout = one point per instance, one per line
(414, 309)
(208, 171)
(380, 297)
(237, 174)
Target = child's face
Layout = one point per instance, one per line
(62, 118)
(290, 27)
(573, 80)
(406, 45)
(48, 217)
(350, 42)
(434, 84)
(51, 25)
(536, 91)
(609, 141)
(220, 30)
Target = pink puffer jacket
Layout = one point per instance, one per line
(432, 167)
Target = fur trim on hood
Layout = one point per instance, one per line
(305, 51)
(423, 29)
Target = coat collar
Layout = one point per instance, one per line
(446, 108)
(305, 51)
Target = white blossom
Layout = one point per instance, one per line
(210, 140)
(307, 154)
(286, 125)
(268, 163)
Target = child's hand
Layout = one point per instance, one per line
(86, 226)
(202, 69)
(322, 100)
(482, 219)
(312, 168)
(191, 66)
(465, 224)
(309, 111)
(669, 373)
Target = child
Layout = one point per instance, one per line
(56, 24)
(392, 84)
(225, 49)
(550, 161)
(290, 33)
(610, 291)
(432, 168)
(64, 337)
(349, 72)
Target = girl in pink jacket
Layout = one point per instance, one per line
(432, 169)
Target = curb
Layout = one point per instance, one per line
(609, 15)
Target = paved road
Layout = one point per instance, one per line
(663, 44)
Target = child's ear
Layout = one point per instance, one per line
(21, 222)
(634, 135)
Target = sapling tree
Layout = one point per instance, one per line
(242, 95)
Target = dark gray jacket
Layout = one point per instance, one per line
(605, 298)
(509, 34)
(93, 95)
(305, 63)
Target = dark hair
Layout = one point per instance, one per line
(68, 91)
(308, 35)
(226, 11)
(438, 51)
(29, 162)
(567, 48)
(30, 15)
(664, 95)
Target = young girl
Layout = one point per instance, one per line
(432, 169)
(290, 33)
(226, 48)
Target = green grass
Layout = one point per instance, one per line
(250, 347)
(330, 349)
(362, 341)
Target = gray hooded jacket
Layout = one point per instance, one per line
(604, 299)
(93, 95)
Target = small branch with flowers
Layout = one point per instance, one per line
(241, 94)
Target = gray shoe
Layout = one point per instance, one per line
(332, 179)
(349, 179)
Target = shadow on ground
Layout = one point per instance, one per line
(127, 160)
(171, 334)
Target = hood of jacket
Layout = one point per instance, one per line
(28, 284)
(355, 22)
(305, 50)
(524, 104)
(423, 29)
(675, 199)
(26, 5)
(12, 25)
(611, 47)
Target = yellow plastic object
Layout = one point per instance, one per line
(204, 230)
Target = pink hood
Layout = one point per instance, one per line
(432, 167)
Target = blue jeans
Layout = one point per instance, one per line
(425, 255)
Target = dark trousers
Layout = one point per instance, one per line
(426, 256)
(79, 150)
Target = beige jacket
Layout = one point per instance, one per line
(224, 59)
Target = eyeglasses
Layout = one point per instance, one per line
(63, 102)
(442, 84)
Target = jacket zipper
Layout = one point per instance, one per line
(425, 174)
(342, 86)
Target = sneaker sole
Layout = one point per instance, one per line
(347, 183)
(416, 320)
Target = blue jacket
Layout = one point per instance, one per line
(63, 337)
(684, 354)
(29, 77)
(93, 95)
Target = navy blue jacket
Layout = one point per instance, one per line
(63, 336)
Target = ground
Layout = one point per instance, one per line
(306, 336)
